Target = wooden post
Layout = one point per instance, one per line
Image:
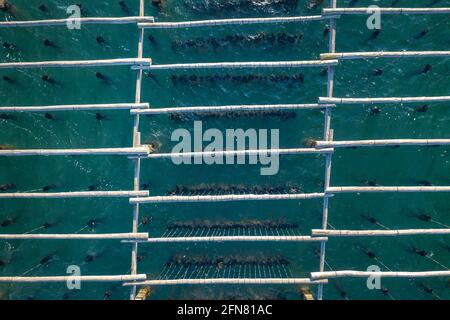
(306, 293)
(144, 293)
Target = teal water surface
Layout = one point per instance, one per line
(388, 166)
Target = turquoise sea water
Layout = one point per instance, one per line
(388, 166)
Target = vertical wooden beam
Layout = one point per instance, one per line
(137, 142)
(328, 136)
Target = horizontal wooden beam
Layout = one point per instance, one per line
(381, 143)
(229, 197)
(247, 281)
(76, 63)
(239, 65)
(384, 54)
(367, 10)
(74, 194)
(232, 239)
(393, 100)
(333, 190)
(76, 107)
(383, 274)
(120, 278)
(233, 108)
(370, 233)
(64, 22)
(223, 22)
(290, 151)
(136, 152)
(104, 236)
